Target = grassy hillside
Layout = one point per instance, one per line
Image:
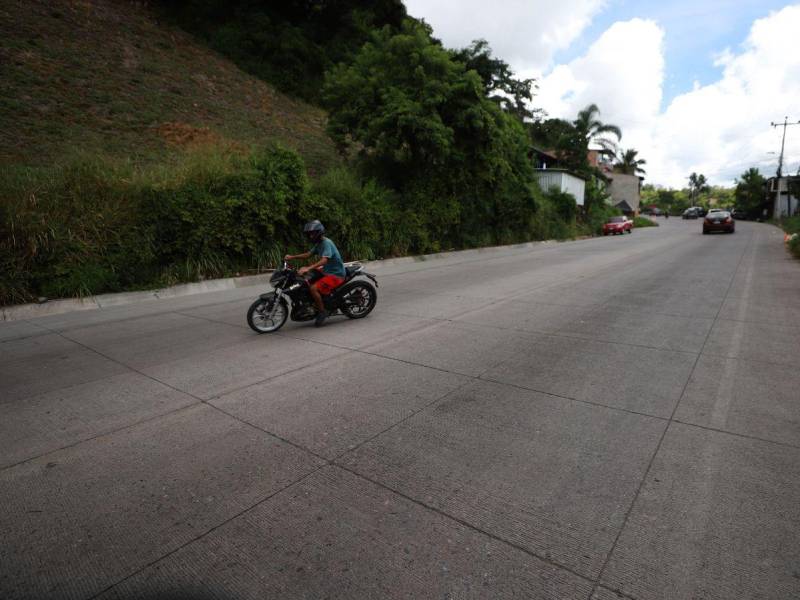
(105, 77)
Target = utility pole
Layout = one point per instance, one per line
(780, 169)
(783, 141)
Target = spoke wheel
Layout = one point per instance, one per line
(359, 299)
(259, 318)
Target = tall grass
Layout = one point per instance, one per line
(91, 225)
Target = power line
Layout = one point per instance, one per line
(783, 141)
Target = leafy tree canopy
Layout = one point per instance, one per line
(425, 127)
(593, 131)
(698, 184)
(629, 164)
(512, 94)
(749, 192)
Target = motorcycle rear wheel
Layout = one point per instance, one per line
(358, 299)
(258, 315)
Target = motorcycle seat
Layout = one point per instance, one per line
(352, 270)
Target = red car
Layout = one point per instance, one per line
(719, 220)
(618, 225)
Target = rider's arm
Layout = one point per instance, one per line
(321, 262)
(304, 255)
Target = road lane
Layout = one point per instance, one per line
(613, 415)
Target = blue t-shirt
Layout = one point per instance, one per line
(328, 249)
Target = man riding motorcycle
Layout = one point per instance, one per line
(329, 264)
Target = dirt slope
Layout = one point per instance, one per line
(105, 76)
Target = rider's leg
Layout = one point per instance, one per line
(317, 298)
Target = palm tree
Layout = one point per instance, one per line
(629, 164)
(697, 184)
(596, 132)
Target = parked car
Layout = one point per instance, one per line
(701, 212)
(690, 213)
(719, 221)
(617, 225)
(738, 214)
(715, 210)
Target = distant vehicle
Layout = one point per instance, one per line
(617, 225)
(690, 213)
(715, 210)
(701, 212)
(720, 220)
(739, 214)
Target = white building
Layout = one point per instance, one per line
(783, 193)
(563, 181)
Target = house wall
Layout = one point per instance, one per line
(564, 182)
(627, 188)
(785, 204)
(782, 208)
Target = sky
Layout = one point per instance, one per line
(694, 84)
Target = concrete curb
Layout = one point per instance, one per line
(406, 260)
(54, 307)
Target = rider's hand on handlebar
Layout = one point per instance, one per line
(302, 271)
(288, 257)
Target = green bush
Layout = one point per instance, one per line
(70, 230)
(220, 213)
(548, 222)
(91, 226)
(791, 225)
(794, 245)
(361, 218)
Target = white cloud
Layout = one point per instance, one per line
(524, 33)
(622, 73)
(719, 129)
(723, 128)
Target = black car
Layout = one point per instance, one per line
(739, 215)
(690, 213)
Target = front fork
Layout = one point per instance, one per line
(278, 295)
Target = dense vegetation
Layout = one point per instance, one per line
(291, 43)
(434, 146)
(675, 201)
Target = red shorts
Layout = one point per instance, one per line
(328, 283)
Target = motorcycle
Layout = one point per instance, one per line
(355, 298)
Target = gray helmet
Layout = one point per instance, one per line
(314, 230)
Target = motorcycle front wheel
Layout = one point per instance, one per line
(358, 299)
(258, 315)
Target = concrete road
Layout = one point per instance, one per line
(608, 418)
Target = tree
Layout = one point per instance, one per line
(697, 185)
(594, 131)
(629, 164)
(511, 94)
(749, 192)
(291, 43)
(424, 127)
(562, 139)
